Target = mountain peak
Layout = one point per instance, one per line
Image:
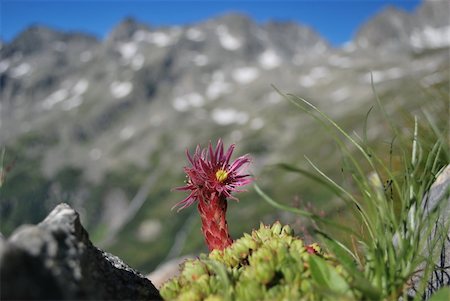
(391, 25)
(125, 29)
(434, 13)
(37, 37)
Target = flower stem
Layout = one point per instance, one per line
(214, 223)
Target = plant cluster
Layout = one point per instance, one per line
(269, 264)
(396, 238)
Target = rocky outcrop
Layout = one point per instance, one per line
(56, 260)
(437, 198)
(396, 29)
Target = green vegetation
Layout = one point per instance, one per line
(382, 196)
(269, 264)
(27, 195)
(23, 186)
(372, 251)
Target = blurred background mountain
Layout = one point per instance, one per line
(102, 124)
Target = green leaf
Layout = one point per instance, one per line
(441, 295)
(327, 277)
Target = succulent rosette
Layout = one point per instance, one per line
(271, 263)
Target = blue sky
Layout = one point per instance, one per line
(335, 20)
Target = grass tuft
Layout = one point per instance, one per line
(383, 196)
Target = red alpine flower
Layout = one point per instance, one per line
(211, 180)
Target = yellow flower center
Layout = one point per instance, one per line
(221, 175)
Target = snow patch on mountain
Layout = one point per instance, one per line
(383, 75)
(73, 102)
(200, 60)
(272, 97)
(120, 89)
(257, 123)
(218, 86)
(269, 59)
(340, 94)
(127, 132)
(69, 98)
(315, 74)
(21, 70)
(127, 50)
(137, 62)
(245, 75)
(80, 87)
(158, 38)
(54, 98)
(430, 37)
(229, 116)
(185, 102)
(4, 65)
(226, 39)
(195, 35)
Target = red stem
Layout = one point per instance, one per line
(214, 223)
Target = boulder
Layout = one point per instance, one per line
(56, 260)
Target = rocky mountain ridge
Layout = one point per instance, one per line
(427, 27)
(45, 71)
(104, 125)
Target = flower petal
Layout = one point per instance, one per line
(203, 183)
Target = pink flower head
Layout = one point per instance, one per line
(212, 175)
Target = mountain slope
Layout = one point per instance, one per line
(104, 125)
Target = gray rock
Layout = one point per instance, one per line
(56, 260)
(439, 195)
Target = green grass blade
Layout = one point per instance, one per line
(309, 175)
(382, 109)
(303, 212)
(365, 139)
(364, 215)
(334, 124)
